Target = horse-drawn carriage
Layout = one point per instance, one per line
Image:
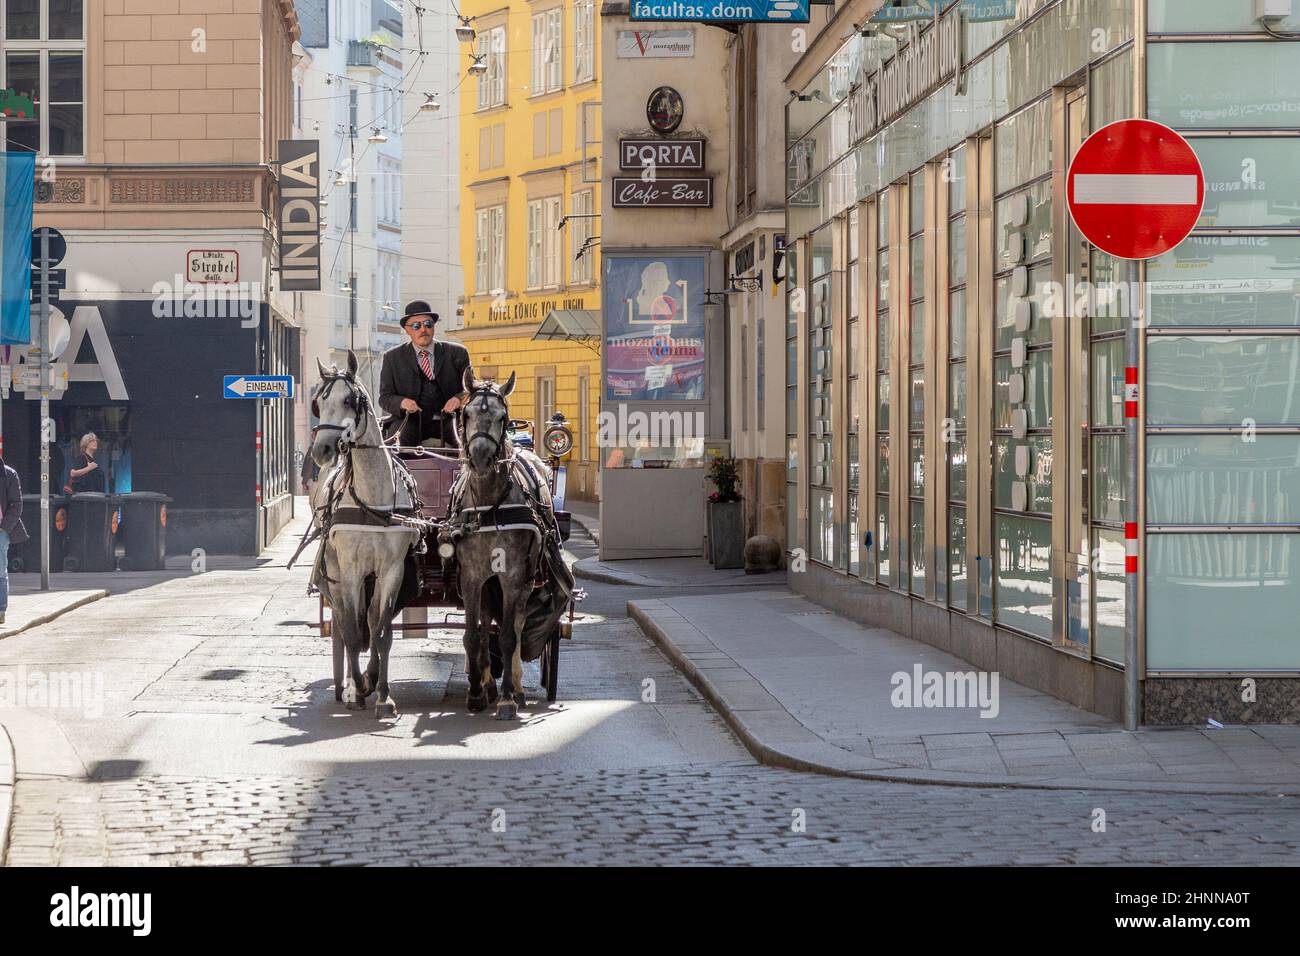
(382, 504)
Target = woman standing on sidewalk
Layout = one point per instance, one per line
(85, 474)
(11, 527)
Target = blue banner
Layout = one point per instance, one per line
(17, 184)
(721, 11)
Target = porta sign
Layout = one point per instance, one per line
(1135, 189)
(299, 215)
(661, 153)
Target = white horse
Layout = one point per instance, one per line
(363, 556)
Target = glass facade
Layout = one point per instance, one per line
(983, 390)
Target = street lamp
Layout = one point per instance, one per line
(465, 32)
(377, 136)
(430, 104)
(478, 67)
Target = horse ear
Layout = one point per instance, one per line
(509, 386)
(353, 365)
(467, 379)
(321, 367)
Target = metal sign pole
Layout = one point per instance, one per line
(45, 409)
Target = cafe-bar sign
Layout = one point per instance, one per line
(718, 11)
(686, 192)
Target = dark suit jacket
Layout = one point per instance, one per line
(400, 377)
(11, 500)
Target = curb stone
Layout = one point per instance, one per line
(8, 762)
(6, 631)
(803, 751)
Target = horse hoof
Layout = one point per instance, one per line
(385, 708)
(520, 700)
(474, 704)
(491, 690)
(365, 687)
(506, 710)
(349, 696)
(338, 694)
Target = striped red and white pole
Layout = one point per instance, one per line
(258, 493)
(1130, 547)
(1130, 393)
(259, 441)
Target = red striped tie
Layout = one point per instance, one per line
(425, 366)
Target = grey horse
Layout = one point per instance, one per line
(363, 559)
(497, 563)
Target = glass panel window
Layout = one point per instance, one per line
(957, 251)
(957, 557)
(957, 468)
(955, 175)
(1221, 479)
(23, 76)
(883, 544)
(23, 20)
(1109, 475)
(1223, 85)
(957, 324)
(1249, 182)
(1227, 280)
(492, 84)
(1023, 591)
(1030, 218)
(65, 19)
(1037, 379)
(917, 337)
(957, 393)
(1211, 16)
(1108, 596)
(1223, 380)
(1038, 478)
(1023, 145)
(1192, 624)
(917, 545)
(917, 275)
(1108, 384)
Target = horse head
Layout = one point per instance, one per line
(342, 408)
(482, 421)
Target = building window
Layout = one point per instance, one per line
(821, 530)
(883, 394)
(492, 84)
(548, 51)
(853, 540)
(44, 61)
(544, 243)
(489, 250)
(913, 564)
(388, 196)
(584, 41)
(580, 230)
(1022, 373)
(955, 443)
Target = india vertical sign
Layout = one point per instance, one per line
(299, 215)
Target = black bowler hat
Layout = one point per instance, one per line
(417, 307)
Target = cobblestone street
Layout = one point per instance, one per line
(219, 741)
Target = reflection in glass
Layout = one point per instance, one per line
(917, 542)
(1223, 380)
(1108, 594)
(1039, 478)
(957, 557)
(1023, 589)
(1220, 479)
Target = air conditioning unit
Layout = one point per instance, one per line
(1272, 10)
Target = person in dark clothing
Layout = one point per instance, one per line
(421, 382)
(11, 527)
(86, 474)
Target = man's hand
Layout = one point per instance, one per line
(453, 403)
(408, 405)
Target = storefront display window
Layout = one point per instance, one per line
(654, 328)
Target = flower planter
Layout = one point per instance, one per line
(727, 534)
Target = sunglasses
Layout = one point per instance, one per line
(427, 324)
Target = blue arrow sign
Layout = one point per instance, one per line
(257, 386)
(721, 11)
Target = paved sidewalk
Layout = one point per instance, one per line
(30, 606)
(809, 690)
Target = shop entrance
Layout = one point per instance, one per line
(111, 424)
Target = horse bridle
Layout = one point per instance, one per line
(362, 406)
(489, 389)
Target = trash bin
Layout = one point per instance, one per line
(143, 530)
(27, 556)
(92, 521)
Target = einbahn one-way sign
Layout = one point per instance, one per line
(258, 386)
(1135, 189)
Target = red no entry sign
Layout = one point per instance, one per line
(1135, 189)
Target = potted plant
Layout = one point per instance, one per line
(726, 518)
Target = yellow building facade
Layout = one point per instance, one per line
(530, 195)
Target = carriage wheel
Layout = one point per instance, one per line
(551, 669)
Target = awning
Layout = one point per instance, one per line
(570, 325)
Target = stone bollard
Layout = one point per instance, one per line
(762, 554)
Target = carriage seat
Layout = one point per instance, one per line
(433, 476)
